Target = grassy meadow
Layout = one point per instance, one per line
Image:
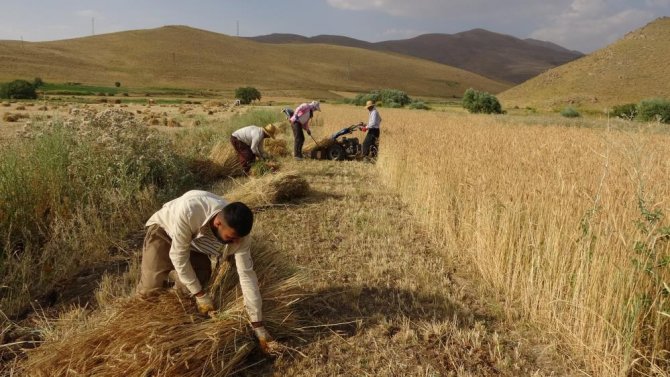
(475, 246)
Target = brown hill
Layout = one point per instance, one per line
(551, 45)
(279, 38)
(179, 56)
(631, 69)
(498, 56)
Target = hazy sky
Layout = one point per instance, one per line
(583, 25)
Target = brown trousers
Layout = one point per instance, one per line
(156, 263)
(244, 153)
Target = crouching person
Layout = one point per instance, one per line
(180, 239)
(248, 143)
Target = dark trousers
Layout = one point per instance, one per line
(298, 139)
(370, 140)
(244, 153)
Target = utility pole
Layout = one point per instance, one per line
(238, 28)
(92, 25)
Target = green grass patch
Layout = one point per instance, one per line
(71, 193)
(77, 89)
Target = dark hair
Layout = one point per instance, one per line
(239, 217)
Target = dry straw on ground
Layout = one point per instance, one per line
(13, 117)
(164, 335)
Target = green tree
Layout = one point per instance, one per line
(37, 82)
(18, 89)
(247, 94)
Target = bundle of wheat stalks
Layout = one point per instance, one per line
(270, 189)
(276, 147)
(225, 158)
(322, 144)
(164, 335)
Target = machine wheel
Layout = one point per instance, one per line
(335, 152)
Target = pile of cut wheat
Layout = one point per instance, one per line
(270, 189)
(164, 335)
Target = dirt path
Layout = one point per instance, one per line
(395, 306)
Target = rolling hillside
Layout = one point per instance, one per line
(180, 56)
(498, 56)
(629, 70)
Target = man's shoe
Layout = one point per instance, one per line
(298, 158)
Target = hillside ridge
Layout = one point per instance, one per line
(498, 56)
(182, 56)
(626, 71)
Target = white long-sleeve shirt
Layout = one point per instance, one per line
(186, 220)
(375, 120)
(252, 136)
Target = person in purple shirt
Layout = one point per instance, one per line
(299, 122)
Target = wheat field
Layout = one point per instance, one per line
(476, 245)
(566, 224)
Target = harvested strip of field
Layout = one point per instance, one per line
(384, 301)
(380, 300)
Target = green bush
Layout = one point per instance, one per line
(394, 96)
(418, 105)
(384, 97)
(361, 99)
(570, 112)
(18, 89)
(481, 102)
(654, 109)
(627, 111)
(247, 94)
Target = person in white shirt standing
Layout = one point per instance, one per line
(184, 234)
(374, 121)
(248, 143)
